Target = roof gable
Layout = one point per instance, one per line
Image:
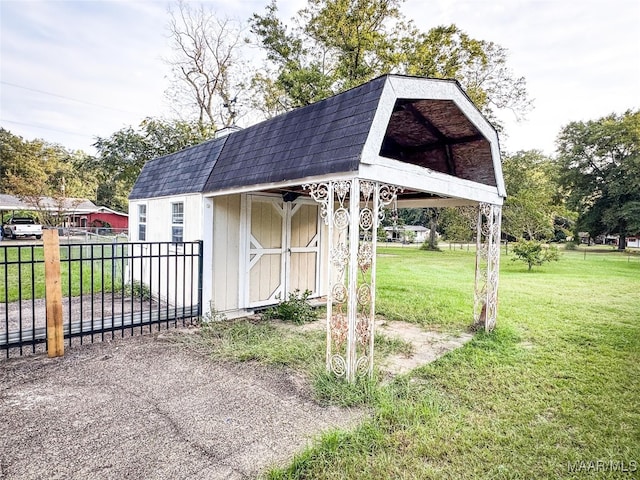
(432, 124)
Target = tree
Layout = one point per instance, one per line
(122, 155)
(533, 253)
(533, 202)
(206, 66)
(456, 223)
(33, 170)
(432, 241)
(339, 44)
(599, 162)
(480, 67)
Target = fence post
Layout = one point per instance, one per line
(200, 276)
(53, 293)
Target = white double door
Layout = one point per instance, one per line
(283, 248)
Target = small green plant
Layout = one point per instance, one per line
(136, 289)
(212, 316)
(533, 253)
(296, 309)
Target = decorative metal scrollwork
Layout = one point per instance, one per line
(367, 189)
(350, 308)
(364, 294)
(338, 365)
(363, 366)
(320, 193)
(365, 256)
(339, 293)
(342, 188)
(487, 265)
(366, 219)
(341, 218)
(340, 256)
(339, 328)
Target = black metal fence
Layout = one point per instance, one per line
(108, 289)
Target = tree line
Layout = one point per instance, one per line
(591, 184)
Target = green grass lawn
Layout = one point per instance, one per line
(26, 280)
(557, 383)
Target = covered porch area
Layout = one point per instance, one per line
(295, 202)
(407, 143)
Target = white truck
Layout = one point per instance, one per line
(22, 227)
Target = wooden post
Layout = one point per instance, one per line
(53, 293)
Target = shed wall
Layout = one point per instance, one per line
(159, 218)
(226, 253)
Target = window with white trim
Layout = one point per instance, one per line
(177, 222)
(142, 223)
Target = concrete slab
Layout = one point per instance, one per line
(141, 407)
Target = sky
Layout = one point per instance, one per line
(71, 71)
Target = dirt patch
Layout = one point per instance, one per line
(427, 345)
(142, 407)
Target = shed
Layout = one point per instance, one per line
(294, 202)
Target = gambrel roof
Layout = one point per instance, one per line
(397, 129)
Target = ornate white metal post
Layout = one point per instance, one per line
(351, 209)
(485, 307)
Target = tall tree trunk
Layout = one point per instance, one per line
(622, 241)
(433, 226)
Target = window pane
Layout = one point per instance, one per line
(142, 213)
(142, 232)
(177, 210)
(176, 234)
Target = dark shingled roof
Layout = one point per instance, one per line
(325, 137)
(185, 171)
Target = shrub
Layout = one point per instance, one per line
(426, 245)
(136, 289)
(571, 246)
(533, 253)
(296, 309)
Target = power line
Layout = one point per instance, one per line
(65, 97)
(48, 128)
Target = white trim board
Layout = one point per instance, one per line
(417, 89)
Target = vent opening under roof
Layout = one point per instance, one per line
(436, 134)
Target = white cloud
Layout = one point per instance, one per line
(581, 58)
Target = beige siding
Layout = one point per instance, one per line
(226, 252)
(266, 225)
(304, 229)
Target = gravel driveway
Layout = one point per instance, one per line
(146, 408)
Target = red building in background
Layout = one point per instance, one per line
(105, 217)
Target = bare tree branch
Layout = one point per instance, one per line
(206, 64)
